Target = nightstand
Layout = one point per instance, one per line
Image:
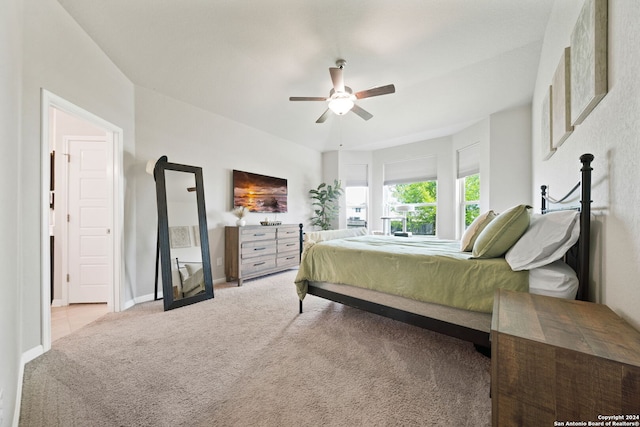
(558, 360)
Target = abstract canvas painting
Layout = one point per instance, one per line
(561, 126)
(545, 126)
(588, 59)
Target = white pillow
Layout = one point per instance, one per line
(184, 273)
(555, 280)
(546, 240)
(193, 268)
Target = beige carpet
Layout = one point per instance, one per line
(247, 358)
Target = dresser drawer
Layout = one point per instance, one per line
(259, 248)
(252, 234)
(256, 265)
(288, 245)
(289, 259)
(286, 232)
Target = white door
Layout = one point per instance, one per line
(89, 222)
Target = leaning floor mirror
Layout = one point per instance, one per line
(183, 240)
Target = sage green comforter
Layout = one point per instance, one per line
(424, 269)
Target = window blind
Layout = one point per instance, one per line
(356, 176)
(412, 170)
(469, 160)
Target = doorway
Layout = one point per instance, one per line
(98, 197)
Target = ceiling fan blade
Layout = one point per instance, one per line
(361, 112)
(324, 116)
(337, 79)
(307, 98)
(376, 91)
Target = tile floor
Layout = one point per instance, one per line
(65, 320)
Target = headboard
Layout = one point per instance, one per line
(578, 256)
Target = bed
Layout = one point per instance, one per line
(188, 278)
(437, 285)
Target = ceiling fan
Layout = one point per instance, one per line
(341, 98)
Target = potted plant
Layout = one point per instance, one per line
(240, 212)
(325, 202)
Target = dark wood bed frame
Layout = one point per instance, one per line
(577, 257)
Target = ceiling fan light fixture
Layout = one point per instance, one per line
(341, 103)
(341, 98)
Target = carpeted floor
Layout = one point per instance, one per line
(247, 358)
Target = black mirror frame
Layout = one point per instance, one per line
(163, 234)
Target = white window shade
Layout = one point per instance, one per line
(469, 160)
(413, 170)
(356, 176)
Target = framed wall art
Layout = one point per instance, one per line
(179, 237)
(259, 193)
(588, 59)
(545, 126)
(561, 126)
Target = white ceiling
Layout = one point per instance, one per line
(453, 62)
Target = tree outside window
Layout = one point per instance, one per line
(423, 197)
(471, 200)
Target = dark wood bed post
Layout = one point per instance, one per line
(585, 227)
(543, 190)
(301, 248)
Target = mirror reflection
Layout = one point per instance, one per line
(184, 234)
(183, 242)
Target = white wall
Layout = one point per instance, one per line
(189, 135)
(509, 171)
(10, 84)
(61, 58)
(611, 133)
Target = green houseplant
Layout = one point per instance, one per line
(325, 204)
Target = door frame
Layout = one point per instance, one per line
(114, 136)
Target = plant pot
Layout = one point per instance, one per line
(241, 222)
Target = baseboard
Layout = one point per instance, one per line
(26, 357)
(57, 303)
(151, 297)
(146, 298)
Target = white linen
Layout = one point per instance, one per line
(556, 280)
(313, 237)
(547, 239)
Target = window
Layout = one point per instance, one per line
(470, 189)
(357, 195)
(357, 202)
(411, 192)
(468, 185)
(421, 200)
